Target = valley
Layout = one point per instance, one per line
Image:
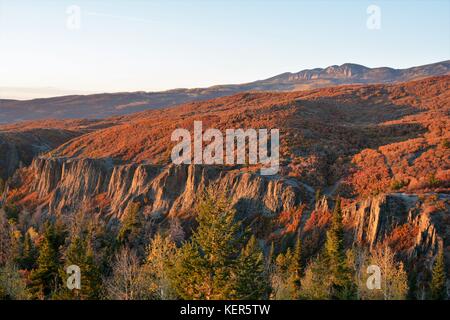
(381, 151)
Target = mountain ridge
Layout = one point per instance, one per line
(382, 149)
(317, 127)
(103, 105)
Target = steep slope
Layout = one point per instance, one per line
(363, 138)
(19, 148)
(106, 105)
(383, 148)
(171, 190)
(356, 141)
(414, 226)
(20, 143)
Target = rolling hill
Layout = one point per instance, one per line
(383, 149)
(112, 104)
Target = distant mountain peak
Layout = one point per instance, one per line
(346, 70)
(114, 104)
(371, 75)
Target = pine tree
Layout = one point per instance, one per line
(218, 263)
(5, 239)
(2, 186)
(439, 278)
(75, 251)
(30, 253)
(270, 258)
(204, 266)
(92, 276)
(342, 285)
(131, 225)
(16, 244)
(252, 280)
(281, 287)
(286, 276)
(46, 279)
(73, 256)
(296, 268)
(412, 285)
(91, 287)
(81, 254)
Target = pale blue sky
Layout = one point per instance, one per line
(156, 45)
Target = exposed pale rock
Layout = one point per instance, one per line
(168, 189)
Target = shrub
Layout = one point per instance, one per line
(398, 184)
(433, 181)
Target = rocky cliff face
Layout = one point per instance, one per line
(374, 218)
(20, 147)
(414, 225)
(20, 143)
(327, 143)
(170, 190)
(405, 221)
(65, 184)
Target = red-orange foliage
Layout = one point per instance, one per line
(402, 237)
(372, 175)
(318, 219)
(389, 133)
(365, 136)
(290, 220)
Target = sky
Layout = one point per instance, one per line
(57, 47)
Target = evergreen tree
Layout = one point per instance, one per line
(286, 276)
(270, 258)
(412, 285)
(280, 289)
(296, 268)
(46, 279)
(252, 280)
(131, 226)
(29, 253)
(81, 254)
(342, 286)
(2, 186)
(12, 212)
(91, 287)
(439, 278)
(205, 265)
(216, 263)
(5, 239)
(16, 244)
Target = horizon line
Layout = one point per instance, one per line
(76, 92)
